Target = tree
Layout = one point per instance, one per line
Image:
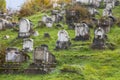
(3, 5)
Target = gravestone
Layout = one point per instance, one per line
(28, 44)
(107, 12)
(43, 61)
(13, 55)
(43, 56)
(57, 15)
(93, 11)
(48, 21)
(99, 39)
(82, 32)
(24, 28)
(106, 23)
(63, 41)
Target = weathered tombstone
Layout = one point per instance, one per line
(107, 12)
(48, 21)
(24, 28)
(57, 15)
(95, 3)
(93, 11)
(43, 61)
(63, 41)
(82, 32)
(106, 23)
(99, 39)
(43, 56)
(12, 55)
(28, 44)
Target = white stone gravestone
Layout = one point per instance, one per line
(28, 44)
(63, 35)
(81, 31)
(24, 28)
(12, 55)
(63, 41)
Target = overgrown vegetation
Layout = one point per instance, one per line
(2, 5)
(78, 63)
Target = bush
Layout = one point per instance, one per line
(32, 6)
(83, 12)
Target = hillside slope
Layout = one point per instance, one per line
(78, 63)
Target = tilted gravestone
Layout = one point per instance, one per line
(99, 39)
(28, 44)
(82, 32)
(63, 41)
(24, 28)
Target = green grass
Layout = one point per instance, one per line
(79, 62)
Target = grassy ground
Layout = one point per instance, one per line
(78, 63)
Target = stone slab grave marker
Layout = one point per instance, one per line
(42, 55)
(43, 60)
(24, 28)
(63, 41)
(28, 44)
(99, 39)
(82, 32)
(13, 55)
